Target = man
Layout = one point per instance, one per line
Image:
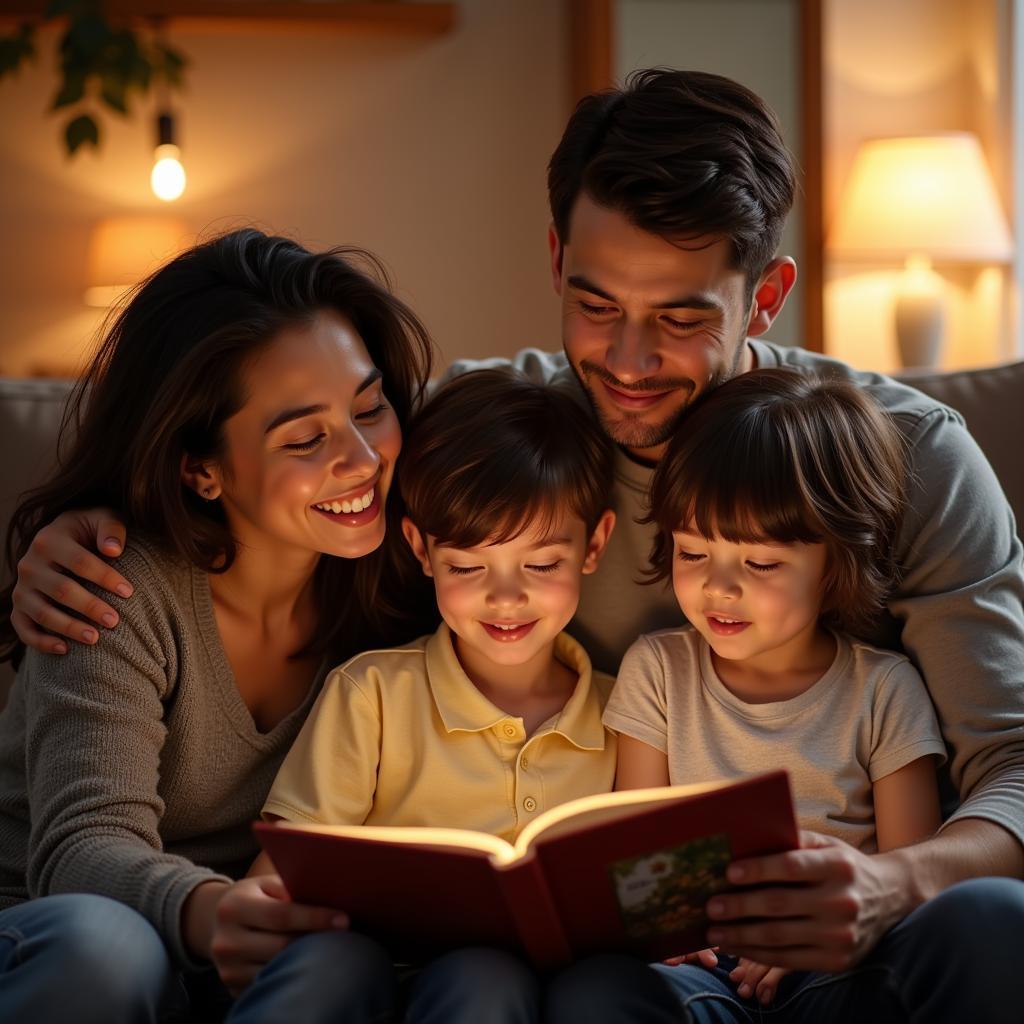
(668, 200)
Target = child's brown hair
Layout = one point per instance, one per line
(777, 455)
(493, 454)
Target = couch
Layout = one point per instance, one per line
(991, 401)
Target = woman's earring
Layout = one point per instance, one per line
(207, 491)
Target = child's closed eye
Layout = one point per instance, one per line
(463, 570)
(763, 566)
(547, 567)
(689, 556)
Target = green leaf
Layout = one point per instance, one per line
(82, 131)
(72, 89)
(16, 48)
(85, 39)
(113, 92)
(172, 64)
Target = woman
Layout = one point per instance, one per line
(243, 416)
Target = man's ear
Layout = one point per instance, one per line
(202, 477)
(599, 541)
(556, 251)
(770, 294)
(417, 544)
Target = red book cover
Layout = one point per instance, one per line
(624, 872)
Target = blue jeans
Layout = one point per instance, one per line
(81, 958)
(347, 977)
(955, 960)
(84, 959)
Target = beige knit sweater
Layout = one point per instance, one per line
(133, 768)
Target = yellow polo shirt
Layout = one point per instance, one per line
(402, 737)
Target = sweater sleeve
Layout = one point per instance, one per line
(961, 603)
(94, 735)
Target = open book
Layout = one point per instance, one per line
(624, 872)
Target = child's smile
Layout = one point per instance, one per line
(508, 632)
(507, 602)
(756, 604)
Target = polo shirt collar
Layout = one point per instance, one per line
(463, 708)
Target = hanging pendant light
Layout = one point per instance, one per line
(167, 179)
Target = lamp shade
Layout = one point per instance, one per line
(123, 250)
(926, 194)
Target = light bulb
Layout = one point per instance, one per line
(167, 178)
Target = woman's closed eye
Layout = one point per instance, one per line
(306, 446)
(373, 413)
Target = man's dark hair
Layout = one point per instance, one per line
(776, 455)
(680, 154)
(169, 374)
(494, 454)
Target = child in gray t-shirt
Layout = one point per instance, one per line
(777, 503)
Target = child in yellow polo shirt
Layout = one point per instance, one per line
(496, 716)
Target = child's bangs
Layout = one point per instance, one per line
(749, 500)
(494, 505)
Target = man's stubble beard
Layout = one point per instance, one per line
(630, 431)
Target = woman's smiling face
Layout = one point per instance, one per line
(309, 458)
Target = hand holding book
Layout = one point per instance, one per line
(629, 872)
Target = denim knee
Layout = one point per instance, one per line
(477, 984)
(990, 908)
(611, 988)
(109, 962)
(330, 976)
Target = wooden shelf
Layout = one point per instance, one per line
(386, 17)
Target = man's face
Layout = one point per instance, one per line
(647, 325)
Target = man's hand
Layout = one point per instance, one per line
(826, 907)
(59, 552)
(254, 921)
(754, 979)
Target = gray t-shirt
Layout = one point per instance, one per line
(866, 717)
(133, 768)
(958, 612)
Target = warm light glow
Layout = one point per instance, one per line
(168, 176)
(930, 195)
(123, 250)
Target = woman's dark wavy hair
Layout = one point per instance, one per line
(494, 454)
(168, 374)
(781, 456)
(681, 154)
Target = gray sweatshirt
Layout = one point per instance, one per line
(133, 768)
(958, 613)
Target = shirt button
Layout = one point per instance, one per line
(509, 730)
(523, 763)
(530, 804)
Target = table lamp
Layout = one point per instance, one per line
(920, 199)
(123, 250)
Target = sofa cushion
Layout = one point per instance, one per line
(30, 415)
(991, 401)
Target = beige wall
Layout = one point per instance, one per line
(755, 42)
(904, 68)
(431, 153)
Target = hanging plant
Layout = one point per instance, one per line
(102, 62)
